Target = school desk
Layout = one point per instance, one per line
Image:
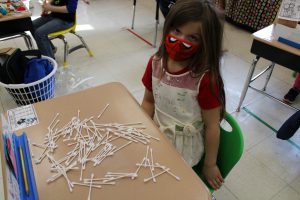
(16, 15)
(14, 24)
(265, 45)
(123, 108)
(156, 22)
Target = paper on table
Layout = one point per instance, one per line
(292, 34)
(22, 117)
(290, 10)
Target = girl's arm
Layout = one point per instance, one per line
(148, 103)
(211, 171)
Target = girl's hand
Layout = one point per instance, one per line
(213, 176)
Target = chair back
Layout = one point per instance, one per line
(231, 146)
(230, 150)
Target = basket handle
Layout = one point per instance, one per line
(32, 53)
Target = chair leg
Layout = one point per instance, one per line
(30, 42)
(84, 44)
(66, 49)
(25, 36)
(27, 40)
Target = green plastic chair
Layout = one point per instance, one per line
(230, 150)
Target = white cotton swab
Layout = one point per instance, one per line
(104, 183)
(103, 110)
(121, 147)
(53, 120)
(30, 149)
(59, 173)
(92, 176)
(163, 167)
(156, 175)
(87, 185)
(151, 156)
(151, 171)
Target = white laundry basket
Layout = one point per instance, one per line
(40, 90)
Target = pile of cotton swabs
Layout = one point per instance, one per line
(91, 142)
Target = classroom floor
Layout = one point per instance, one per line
(269, 168)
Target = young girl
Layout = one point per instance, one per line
(184, 89)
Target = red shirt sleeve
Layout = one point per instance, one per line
(147, 78)
(206, 98)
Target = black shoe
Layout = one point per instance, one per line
(289, 127)
(291, 95)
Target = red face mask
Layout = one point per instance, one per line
(179, 49)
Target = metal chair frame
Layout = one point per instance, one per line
(24, 35)
(67, 50)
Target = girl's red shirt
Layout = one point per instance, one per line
(206, 98)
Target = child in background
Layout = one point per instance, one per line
(294, 91)
(184, 90)
(57, 15)
(165, 5)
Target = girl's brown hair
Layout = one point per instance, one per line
(211, 35)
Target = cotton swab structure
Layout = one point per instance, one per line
(94, 142)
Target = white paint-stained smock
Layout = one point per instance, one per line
(177, 112)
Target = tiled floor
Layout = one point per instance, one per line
(269, 168)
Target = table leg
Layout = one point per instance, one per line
(133, 14)
(247, 82)
(156, 22)
(269, 75)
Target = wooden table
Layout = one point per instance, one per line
(16, 21)
(123, 108)
(14, 24)
(15, 15)
(265, 45)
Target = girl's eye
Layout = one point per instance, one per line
(176, 32)
(193, 38)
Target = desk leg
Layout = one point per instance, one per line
(247, 82)
(156, 22)
(269, 75)
(133, 14)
